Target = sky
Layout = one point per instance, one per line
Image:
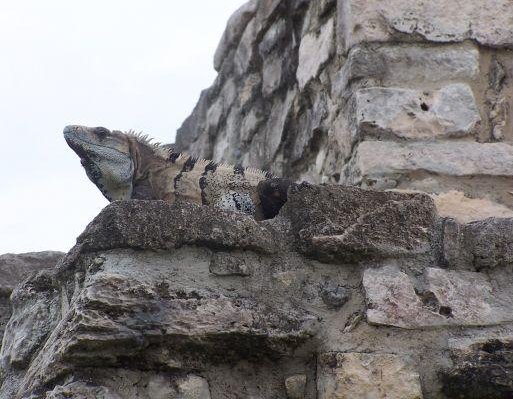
(122, 64)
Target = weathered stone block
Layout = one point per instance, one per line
(377, 159)
(447, 298)
(377, 21)
(36, 311)
(365, 375)
(411, 64)
(484, 244)
(482, 368)
(156, 225)
(233, 32)
(295, 386)
(16, 267)
(247, 48)
(411, 114)
(349, 223)
(455, 205)
(272, 75)
(314, 51)
(272, 38)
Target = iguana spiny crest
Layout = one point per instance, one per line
(128, 166)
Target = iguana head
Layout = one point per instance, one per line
(105, 156)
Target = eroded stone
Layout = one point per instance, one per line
(411, 64)
(378, 159)
(411, 114)
(153, 225)
(447, 298)
(375, 21)
(350, 223)
(482, 368)
(314, 51)
(483, 244)
(365, 375)
(295, 386)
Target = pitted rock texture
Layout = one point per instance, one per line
(14, 268)
(364, 375)
(359, 224)
(352, 91)
(482, 368)
(147, 304)
(347, 292)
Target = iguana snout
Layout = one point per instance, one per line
(105, 156)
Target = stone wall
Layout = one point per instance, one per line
(382, 95)
(366, 294)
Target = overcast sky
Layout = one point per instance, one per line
(122, 64)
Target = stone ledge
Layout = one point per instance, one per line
(379, 159)
(161, 225)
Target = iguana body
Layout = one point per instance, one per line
(127, 166)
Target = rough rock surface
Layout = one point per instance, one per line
(16, 267)
(162, 300)
(347, 293)
(306, 87)
(364, 375)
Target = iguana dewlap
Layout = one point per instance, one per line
(128, 166)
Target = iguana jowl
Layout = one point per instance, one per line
(128, 166)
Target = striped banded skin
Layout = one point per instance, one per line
(128, 166)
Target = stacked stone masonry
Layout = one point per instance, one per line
(399, 95)
(365, 295)
(348, 293)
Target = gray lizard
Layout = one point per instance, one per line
(129, 166)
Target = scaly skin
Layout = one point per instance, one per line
(127, 166)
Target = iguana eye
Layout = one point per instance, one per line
(101, 132)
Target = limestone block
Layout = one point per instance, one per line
(484, 244)
(295, 386)
(348, 223)
(272, 75)
(448, 298)
(482, 367)
(439, 21)
(272, 38)
(455, 205)
(15, 267)
(36, 310)
(365, 375)
(376, 159)
(411, 64)
(314, 51)
(246, 51)
(412, 114)
(153, 224)
(234, 29)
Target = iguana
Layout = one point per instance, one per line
(129, 166)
